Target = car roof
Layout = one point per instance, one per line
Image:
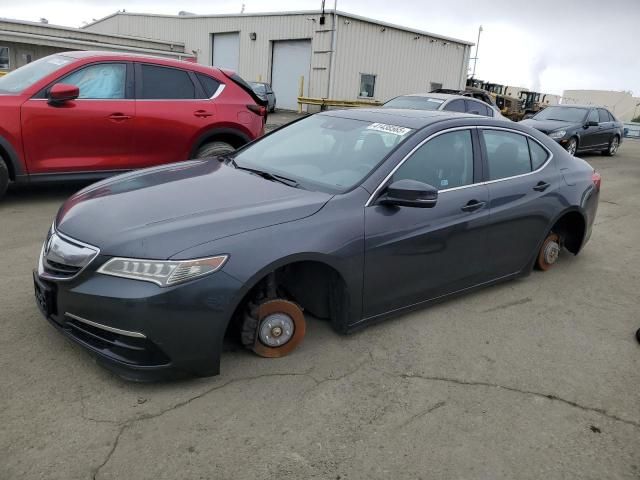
(442, 96)
(415, 119)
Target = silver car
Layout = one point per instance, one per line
(447, 102)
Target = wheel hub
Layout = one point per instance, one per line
(614, 146)
(276, 329)
(551, 252)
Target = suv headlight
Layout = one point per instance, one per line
(558, 134)
(162, 272)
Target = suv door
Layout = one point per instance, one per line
(416, 254)
(91, 133)
(522, 182)
(172, 110)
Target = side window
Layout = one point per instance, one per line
(166, 83)
(478, 108)
(603, 115)
(593, 116)
(443, 162)
(101, 81)
(507, 154)
(455, 106)
(538, 154)
(611, 117)
(210, 85)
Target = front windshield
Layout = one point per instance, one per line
(564, 114)
(414, 103)
(24, 77)
(322, 152)
(259, 87)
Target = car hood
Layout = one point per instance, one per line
(547, 126)
(157, 213)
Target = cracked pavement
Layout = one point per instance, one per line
(536, 378)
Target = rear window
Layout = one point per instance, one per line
(166, 83)
(210, 85)
(414, 103)
(604, 115)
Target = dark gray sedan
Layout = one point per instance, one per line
(352, 216)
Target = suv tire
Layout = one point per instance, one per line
(4, 177)
(213, 149)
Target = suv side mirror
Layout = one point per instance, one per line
(62, 92)
(410, 193)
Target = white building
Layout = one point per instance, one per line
(622, 104)
(341, 56)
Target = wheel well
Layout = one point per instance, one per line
(235, 140)
(318, 288)
(571, 228)
(4, 157)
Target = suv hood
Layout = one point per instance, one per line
(547, 126)
(157, 213)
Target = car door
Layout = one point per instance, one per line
(522, 182)
(605, 127)
(416, 254)
(590, 136)
(91, 133)
(172, 110)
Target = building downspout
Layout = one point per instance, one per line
(334, 44)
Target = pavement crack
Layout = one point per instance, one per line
(422, 414)
(114, 445)
(552, 397)
(514, 303)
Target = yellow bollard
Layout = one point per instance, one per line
(300, 93)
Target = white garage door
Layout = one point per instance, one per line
(291, 60)
(226, 50)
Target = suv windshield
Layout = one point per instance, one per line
(414, 103)
(24, 77)
(322, 152)
(565, 114)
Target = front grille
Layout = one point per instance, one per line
(134, 351)
(59, 269)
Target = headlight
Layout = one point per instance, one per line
(558, 134)
(163, 273)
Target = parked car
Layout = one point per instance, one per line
(88, 115)
(352, 216)
(265, 92)
(445, 102)
(580, 128)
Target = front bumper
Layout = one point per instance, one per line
(139, 330)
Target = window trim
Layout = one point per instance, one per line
(383, 183)
(218, 91)
(375, 78)
(8, 58)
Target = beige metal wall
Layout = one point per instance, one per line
(622, 104)
(401, 63)
(19, 52)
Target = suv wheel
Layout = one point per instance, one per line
(4, 177)
(213, 149)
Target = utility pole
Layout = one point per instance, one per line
(475, 59)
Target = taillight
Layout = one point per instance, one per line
(258, 109)
(596, 179)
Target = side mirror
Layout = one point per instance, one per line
(591, 123)
(410, 193)
(62, 92)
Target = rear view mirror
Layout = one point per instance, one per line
(62, 92)
(410, 193)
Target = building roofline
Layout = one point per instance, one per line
(89, 32)
(287, 13)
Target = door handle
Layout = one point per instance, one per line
(202, 113)
(541, 186)
(118, 117)
(472, 206)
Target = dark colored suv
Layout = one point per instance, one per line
(88, 115)
(580, 128)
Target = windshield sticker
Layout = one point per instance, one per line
(435, 100)
(394, 129)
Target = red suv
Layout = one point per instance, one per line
(87, 115)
